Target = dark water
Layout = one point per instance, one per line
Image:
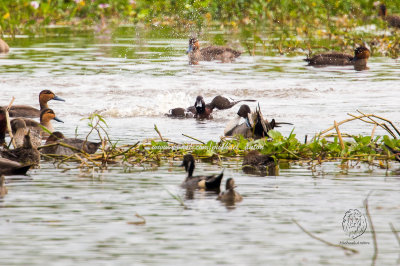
(132, 77)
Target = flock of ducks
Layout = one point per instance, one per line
(28, 134)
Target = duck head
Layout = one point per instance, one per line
(48, 114)
(17, 124)
(382, 10)
(188, 163)
(193, 45)
(230, 184)
(47, 95)
(54, 137)
(244, 111)
(361, 52)
(200, 105)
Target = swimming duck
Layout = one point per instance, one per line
(29, 111)
(212, 182)
(57, 137)
(3, 125)
(202, 110)
(45, 120)
(9, 167)
(3, 188)
(393, 20)
(27, 154)
(359, 60)
(256, 163)
(180, 113)
(222, 103)
(225, 54)
(230, 196)
(4, 48)
(254, 126)
(19, 130)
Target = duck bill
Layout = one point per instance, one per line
(58, 98)
(58, 119)
(190, 49)
(247, 122)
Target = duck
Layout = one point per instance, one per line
(57, 137)
(4, 48)
(3, 188)
(230, 196)
(212, 182)
(224, 54)
(19, 130)
(46, 116)
(9, 167)
(180, 113)
(261, 164)
(359, 60)
(202, 111)
(27, 154)
(254, 125)
(393, 20)
(223, 103)
(3, 125)
(31, 112)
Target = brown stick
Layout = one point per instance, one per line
(373, 132)
(9, 122)
(324, 241)
(339, 134)
(383, 125)
(158, 132)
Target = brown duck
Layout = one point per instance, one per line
(9, 167)
(224, 54)
(212, 182)
(230, 196)
(260, 164)
(27, 154)
(46, 116)
(393, 20)
(29, 111)
(19, 130)
(359, 60)
(4, 48)
(57, 137)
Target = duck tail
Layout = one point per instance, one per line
(21, 170)
(215, 182)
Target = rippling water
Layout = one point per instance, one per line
(133, 78)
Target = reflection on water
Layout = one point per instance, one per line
(133, 78)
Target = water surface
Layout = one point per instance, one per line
(133, 78)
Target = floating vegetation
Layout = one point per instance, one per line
(323, 147)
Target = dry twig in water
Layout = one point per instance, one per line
(354, 251)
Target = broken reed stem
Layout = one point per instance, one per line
(360, 117)
(8, 121)
(383, 125)
(396, 235)
(375, 256)
(158, 132)
(339, 134)
(193, 138)
(354, 251)
(373, 132)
